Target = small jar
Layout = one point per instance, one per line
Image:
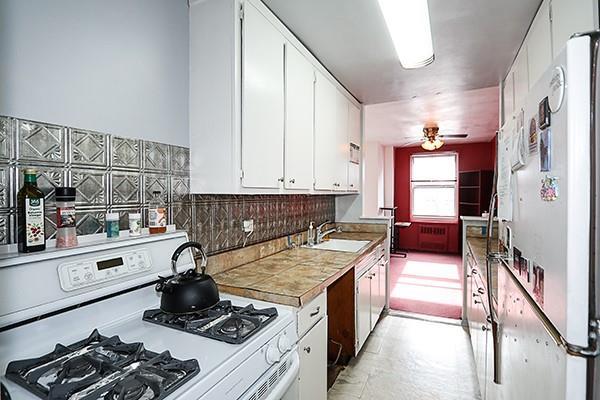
(135, 224)
(112, 225)
(66, 231)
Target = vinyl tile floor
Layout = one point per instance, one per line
(410, 359)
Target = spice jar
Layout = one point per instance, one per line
(66, 231)
(112, 225)
(135, 224)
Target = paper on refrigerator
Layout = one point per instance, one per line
(504, 184)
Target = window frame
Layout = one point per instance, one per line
(434, 184)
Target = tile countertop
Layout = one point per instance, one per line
(477, 246)
(296, 276)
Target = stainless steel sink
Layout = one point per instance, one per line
(349, 246)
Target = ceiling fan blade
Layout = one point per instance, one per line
(411, 143)
(458, 135)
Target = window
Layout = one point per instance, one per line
(433, 186)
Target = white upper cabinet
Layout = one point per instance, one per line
(262, 101)
(555, 22)
(539, 44)
(569, 17)
(342, 146)
(520, 78)
(299, 121)
(353, 139)
(325, 133)
(261, 120)
(508, 96)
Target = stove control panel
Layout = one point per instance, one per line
(94, 271)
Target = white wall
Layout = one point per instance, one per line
(372, 189)
(114, 66)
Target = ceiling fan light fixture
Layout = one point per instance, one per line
(410, 28)
(431, 145)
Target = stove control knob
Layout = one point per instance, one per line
(273, 354)
(284, 344)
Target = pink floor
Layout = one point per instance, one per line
(427, 283)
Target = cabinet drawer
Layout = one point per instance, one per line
(311, 313)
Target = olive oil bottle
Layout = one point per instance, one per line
(31, 235)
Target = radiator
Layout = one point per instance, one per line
(433, 238)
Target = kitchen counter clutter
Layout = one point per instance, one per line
(296, 276)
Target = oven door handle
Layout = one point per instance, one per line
(288, 380)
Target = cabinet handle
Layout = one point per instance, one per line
(474, 271)
(477, 302)
(280, 179)
(307, 349)
(480, 290)
(484, 328)
(316, 312)
(352, 185)
(468, 276)
(292, 180)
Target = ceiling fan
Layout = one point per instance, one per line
(431, 137)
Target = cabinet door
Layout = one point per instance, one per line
(480, 341)
(313, 363)
(508, 96)
(354, 124)
(363, 310)
(299, 112)
(325, 133)
(374, 275)
(378, 291)
(262, 101)
(342, 145)
(539, 47)
(354, 130)
(569, 17)
(520, 78)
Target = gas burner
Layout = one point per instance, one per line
(102, 368)
(224, 321)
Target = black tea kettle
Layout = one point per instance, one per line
(189, 291)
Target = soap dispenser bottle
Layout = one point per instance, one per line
(311, 235)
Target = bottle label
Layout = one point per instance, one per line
(34, 221)
(157, 217)
(65, 217)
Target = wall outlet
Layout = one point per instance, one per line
(248, 225)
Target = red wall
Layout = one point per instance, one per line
(473, 156)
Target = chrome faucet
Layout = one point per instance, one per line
(321, 234)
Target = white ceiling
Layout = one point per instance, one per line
(474, 42)
(474, 112)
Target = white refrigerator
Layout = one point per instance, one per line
(546, 325)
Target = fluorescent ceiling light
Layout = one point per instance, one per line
(410, 29)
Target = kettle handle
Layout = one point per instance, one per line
(180, 250)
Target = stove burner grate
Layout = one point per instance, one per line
(102, 368)
(224, 321)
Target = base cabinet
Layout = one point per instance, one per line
(313, 363)
(370, 295)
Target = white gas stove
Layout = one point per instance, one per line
(43, 305)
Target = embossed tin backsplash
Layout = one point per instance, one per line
(116, 174)
(110, 173)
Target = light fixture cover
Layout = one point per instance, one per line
(409, 26)
(432, 145)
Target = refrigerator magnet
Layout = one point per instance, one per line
(545, 150)
(538, 284)
(544, 113)
(533, 136)
(557, 89)
(549, 190)
(517, 260)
